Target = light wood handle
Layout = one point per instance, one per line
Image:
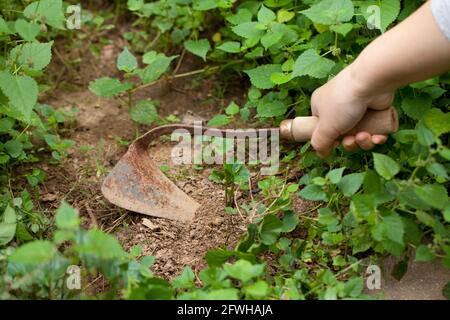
(301, 129)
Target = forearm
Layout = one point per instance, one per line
(414, 50)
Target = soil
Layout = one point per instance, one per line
(101, 128)
(100, 123)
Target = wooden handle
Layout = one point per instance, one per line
(300, 129)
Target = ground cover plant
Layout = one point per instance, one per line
(361, 205)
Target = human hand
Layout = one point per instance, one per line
(340, 104)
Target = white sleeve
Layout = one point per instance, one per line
(441, 12)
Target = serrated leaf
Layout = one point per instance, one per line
(34, 253)
(22, 92)
(66, 217)
(313, 193)
(284, 16)
(342, 29)
(232, 109)
(434, 195)
(267, 109)
(437, 121)
(198, 47)
(35, 56)
(144, 112)
(350, 183)
(27, 30)
(243, 15)
(158, 65)
(271, 38)
(266, 15)
(330, 12)
(230, 46)
(243, 270)
(424, 254)
(310, 63)
(270, 229)
(416, 107)
(335, 175)
(108, 87)
(7, 225)
(394, 228)
(260, 76)
(49, 12)
(385, 166)
(248, 30)
(126, 61)
(219, 120)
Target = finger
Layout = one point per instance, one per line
(379, 139)
(364, 140)
(349, 143)
(323, 139)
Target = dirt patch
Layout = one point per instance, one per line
(101, 130)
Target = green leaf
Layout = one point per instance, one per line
(310, 63)
(280, 77)
(270, 229)
(144, 112)
(390, 10)
(266, 109)
(4, 27)
(385, 166)
(394, 228)
(232, 109)
(27, 30)
(437, 121)
(47, 11)
(242, 15)
(108, 87)
(335, 175)
(158, 65)
(244, 270)
(185, 280)
(350, 183)
(434, 195)
(284, 16)
(313, 193)
(219, 120)
(271, 38)
(424, 254)
(101, 245)
(330, 12)
(22, 92)
(260, 76)
(66, 217)
(248, 30)
(416, 107)
(14, 148)
(257, 290)
(198, 47)
(35, 56)
(8, 226)
(342, 29)
(126, 61)
(34, 253)
(230, 46)
(266, 15)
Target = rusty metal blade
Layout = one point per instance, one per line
(137, 184)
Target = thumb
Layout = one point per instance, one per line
(323, 139)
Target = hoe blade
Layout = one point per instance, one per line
(137, 184)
